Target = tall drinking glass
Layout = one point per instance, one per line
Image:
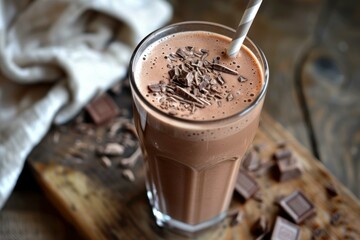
(191, 164)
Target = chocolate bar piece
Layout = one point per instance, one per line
(102, 109)
(285, 230)
(287, 168)
(251, 161)
(298, 207)
(246, 185)
(282, 153)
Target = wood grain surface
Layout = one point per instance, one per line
(102, 204)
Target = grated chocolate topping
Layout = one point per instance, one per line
(193, 82)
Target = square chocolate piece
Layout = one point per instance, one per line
(102, 109)
(298, 207)
(246, 185)
(285, 230)
(287, 169)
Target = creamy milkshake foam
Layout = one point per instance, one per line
(192, 152)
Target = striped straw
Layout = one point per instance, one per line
(244, 26)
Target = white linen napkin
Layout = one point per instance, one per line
(54, 57)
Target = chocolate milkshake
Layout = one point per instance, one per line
(196, 112)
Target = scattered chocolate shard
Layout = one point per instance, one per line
(260, 227)
(220, 80)
(189, 48)
(128, 175)
(331, 190)
(236, 218)
(298, 207)
(106, 161)
(155, 87)
(287, 169)
(111, 149)
(251, 161)
(172, 57)
(181, 53)
(189, 79)
(102, 109)
(242, 79)
(130, 161)
(285, 230)
(246, 185)
(182, 92)
(229, 97)
(224, 69)
(282, 153)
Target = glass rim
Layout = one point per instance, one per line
(236, 115)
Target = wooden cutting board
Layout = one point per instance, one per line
(102, 204)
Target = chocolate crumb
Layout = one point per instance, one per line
(251, 161)
(106, 161)
(242, 79)
(224, 69)
(331, 190)
(128, 174)
(111, 149)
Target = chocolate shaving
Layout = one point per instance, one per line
(193, 81)
(106, 161)
(111, 149)
(242, 79)
(331, 190)
(128, 174)
(224, 69)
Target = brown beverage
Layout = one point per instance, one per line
(196, 113)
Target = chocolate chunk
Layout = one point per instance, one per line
(298, 207)
(181, 53)
(157, 87)
(331, 190)
(229, 97)
(287, 169)
(285, 230)
(282, 153)
(128, 174)
(251, 162)
(111, 149)
(102, 109)
(242, 79)
(246, 185)
(260, 227)
(106, 161)
(224, 69)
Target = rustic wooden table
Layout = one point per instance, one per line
(286, 31)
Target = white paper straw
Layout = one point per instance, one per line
(244, 26)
